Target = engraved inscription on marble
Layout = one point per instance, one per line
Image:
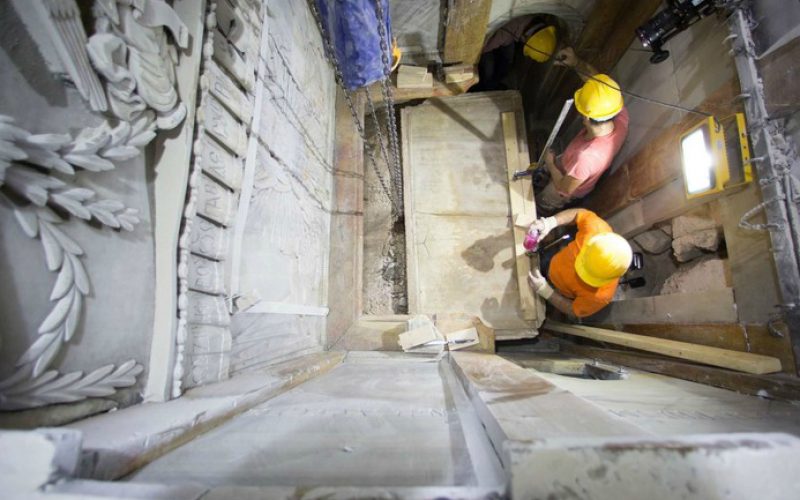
(220, 123)
(206, 275)
(215, 202)
(235, 23)
(208, 239)
(210, 348)
(227, 56)
(226, 90)
(220, 164)
(204, 309)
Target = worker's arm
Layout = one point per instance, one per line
(564, 184)
(562, 218)
(566, 57)
(542, 287)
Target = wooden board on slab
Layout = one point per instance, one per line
(520, 195)
(459, 239)
(734, 360)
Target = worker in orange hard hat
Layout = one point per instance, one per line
(575, 172)
(586, 272)
(533, 33)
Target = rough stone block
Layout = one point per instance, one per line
(692, 245)
(686, 224)
(706, 274)
(655, 241)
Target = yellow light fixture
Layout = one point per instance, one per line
(714, 157)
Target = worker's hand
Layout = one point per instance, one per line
(544, 226)
(539, 283)
(550, 158)
(566, 57)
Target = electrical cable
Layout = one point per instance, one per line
(624, 92)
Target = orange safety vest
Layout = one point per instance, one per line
(587, 299)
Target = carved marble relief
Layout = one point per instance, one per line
(220, 123)
(226, 90)
(219, 163)
(208, 239)
(221, 142)
(130, 79)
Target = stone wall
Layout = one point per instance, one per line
(285, 241)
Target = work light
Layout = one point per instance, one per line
(713, 159)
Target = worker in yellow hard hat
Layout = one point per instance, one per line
(586, 272)
(532, 33)
(575, 172)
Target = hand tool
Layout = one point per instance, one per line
(561, 117)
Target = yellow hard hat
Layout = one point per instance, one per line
(599, 98)
(541, 45)
(602, 259)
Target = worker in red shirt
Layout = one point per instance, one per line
(586, 272)
(574, 174)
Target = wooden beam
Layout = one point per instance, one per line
(734, 360)
(465, 30)
(777, 386)
(524, 206)
(734, 336)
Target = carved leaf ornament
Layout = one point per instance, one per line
(36, 177)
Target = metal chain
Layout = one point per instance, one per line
(331, 57)
(382, 143)
(395, 169)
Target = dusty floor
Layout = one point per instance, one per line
(384, 238)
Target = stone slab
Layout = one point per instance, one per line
(735, 466)
(375, 422)
(516, 404)
(459, 240)
(115, 444)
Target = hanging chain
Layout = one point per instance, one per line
(331, 57)
(394, 168)
(382, 143)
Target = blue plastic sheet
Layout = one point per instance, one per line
(353, 28)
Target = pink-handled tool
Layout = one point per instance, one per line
(531, 241)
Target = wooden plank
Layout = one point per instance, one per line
(465, 30)
(418, 336)
(779, 386)
(450, 322)
(742, 361)
(522, 206)
(439, 89)
(516, 404)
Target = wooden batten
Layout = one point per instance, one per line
(465, 30)
(734, 360)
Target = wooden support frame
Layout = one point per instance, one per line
(520, 195)
(465, 30)
(734, 360)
